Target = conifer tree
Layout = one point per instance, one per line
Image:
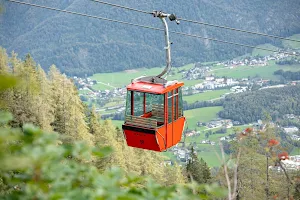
(22, 102)
(197, 170)
(3, 61)
(251, 169)
(69, 118)
(44, 102)
(4, 95)
(106, 136)
(173, 175)
(93, 122)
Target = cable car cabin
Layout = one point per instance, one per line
(154, 115)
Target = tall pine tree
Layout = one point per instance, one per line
(197, 170)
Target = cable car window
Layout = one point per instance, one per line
(149, 99)
(175, 103)
(153, 103)
(128, 103)
(180, 103)
(138, 105)
(154, 100)
(170, 97)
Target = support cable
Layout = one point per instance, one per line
(123, 7)
(150, 27)
(202, 23)
(239, 30)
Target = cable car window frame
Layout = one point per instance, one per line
(180, 103)
(175, 101)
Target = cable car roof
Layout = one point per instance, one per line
(154, 88)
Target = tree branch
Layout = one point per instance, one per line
(286, 175)
(226, 172)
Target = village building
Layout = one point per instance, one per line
(290, 129)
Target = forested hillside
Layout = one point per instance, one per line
(288, 75)
(53, 147)
(51, 102)
(79, 45)
(87, 158)
(252, 106)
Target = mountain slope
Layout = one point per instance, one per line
(79, 45)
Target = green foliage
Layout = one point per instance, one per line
(209, 95)
(288, 75)
(265, 72)
(35, 165)
(201, 114)
(106, 47)
(7, 82)
(259, 52)
(5, 117)
(197, 170)
(251, 106)
(39, 165)
(292, 44)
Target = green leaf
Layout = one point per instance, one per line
(5, 117)
(30, 133)
(7, 82)
(102, 152)
(30, 130)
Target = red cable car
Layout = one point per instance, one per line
(154, 115)
(154, 109)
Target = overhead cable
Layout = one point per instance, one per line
(203, 23)
(84, 15)
(239, 30)
(147, 27)
(120, 6)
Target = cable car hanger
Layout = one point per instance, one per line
(154, 117)
(158, 78)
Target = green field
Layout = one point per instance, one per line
(259, 52)
(291, 44)
(100, 86)
(296, 151)
(84, 92)
(201, 114)
(121, 79)
(117, 123)
(214, 137)
(208, 95)
(188, 83)
(209, 154)
(207, 151)
(215, 67)
(261, 71)
(168, 155)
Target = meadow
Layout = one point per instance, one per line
(259, 52)
(117, 123)
(208, 152)
(201, 114)
(214, 137)
(207, 95)
(265, 72)
(121, 79)
(292, 44)
(296, 151)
